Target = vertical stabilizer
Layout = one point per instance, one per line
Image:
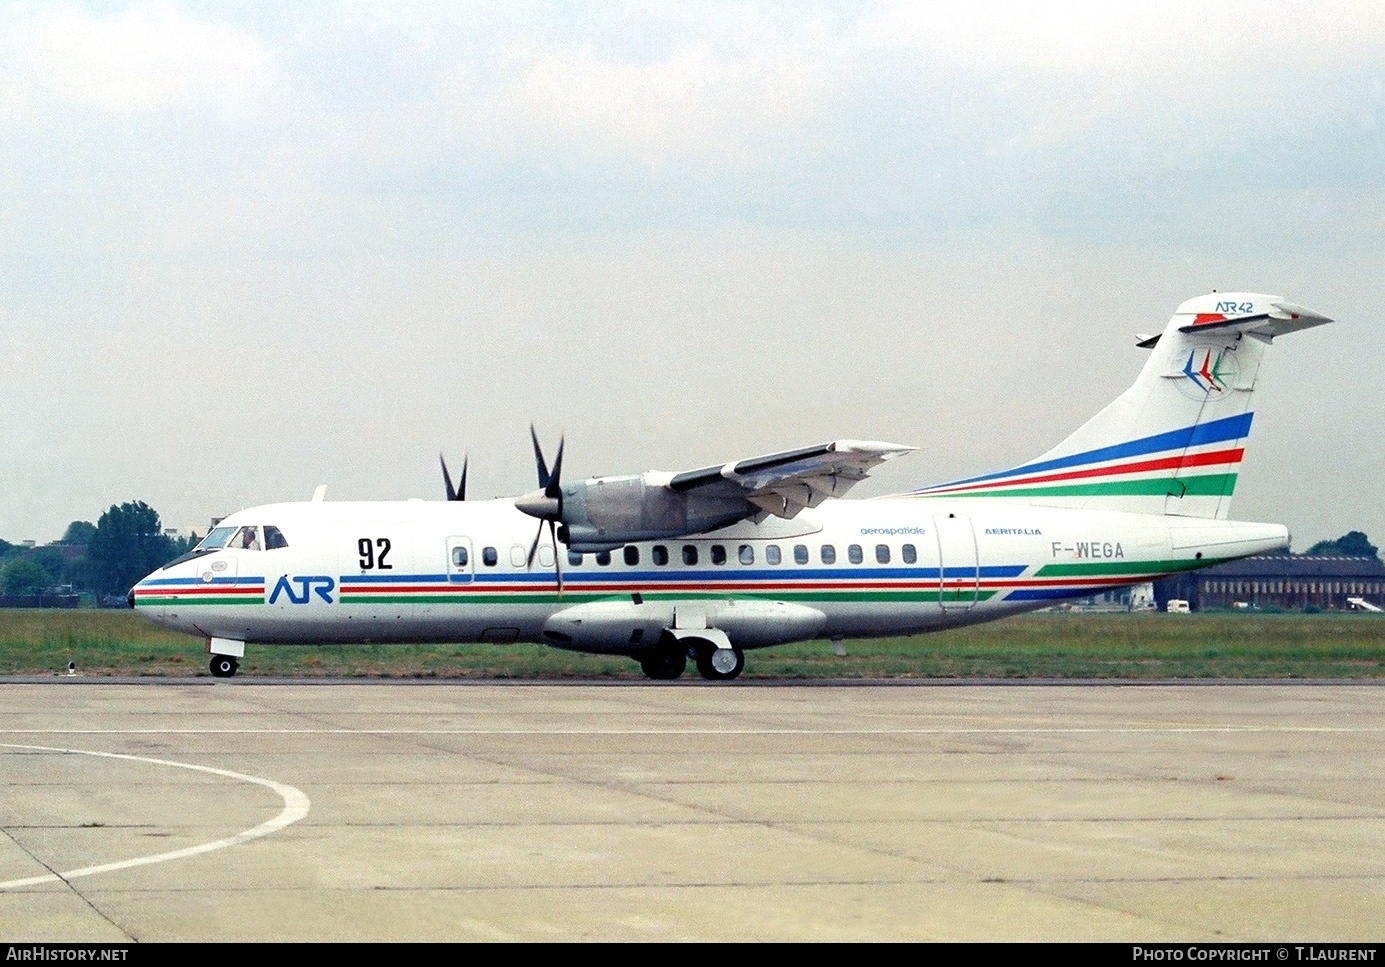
(1173, 442)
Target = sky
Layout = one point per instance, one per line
(251, 248)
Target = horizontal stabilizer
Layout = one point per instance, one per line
(1281, 318)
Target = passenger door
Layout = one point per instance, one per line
(461, 565)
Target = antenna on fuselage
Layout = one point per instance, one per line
(320, 493)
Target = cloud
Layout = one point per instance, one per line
(148, 57)
(689, 103)
(1144, 40)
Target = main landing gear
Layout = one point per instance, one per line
(668, 662)
(720, 664)
(224, 666)
(665, 664)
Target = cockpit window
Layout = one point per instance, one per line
(217, 539)
(274, 538)
(247, 539)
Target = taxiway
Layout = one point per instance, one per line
(249, 811)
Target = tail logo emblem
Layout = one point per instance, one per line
(1208, 374)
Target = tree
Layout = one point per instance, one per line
(179, 546)
(52, 560)
(1350, 544)
(128, 543)
(79, 532)
(24, 575)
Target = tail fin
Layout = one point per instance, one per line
(1172, 443)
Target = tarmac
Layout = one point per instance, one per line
(249, 811)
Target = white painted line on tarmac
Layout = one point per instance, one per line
(296, 806)
(1130, 730)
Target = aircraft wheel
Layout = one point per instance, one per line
(664, 664)
(720, 664)
(224, 666)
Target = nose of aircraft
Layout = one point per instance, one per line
(130, 599)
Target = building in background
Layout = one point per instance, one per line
(1289, 581)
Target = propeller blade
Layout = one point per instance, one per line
(553, 487)
(533, 548)
(546, 503)
(557, 557)
(447, 479)
(538, 459)
(458, 492)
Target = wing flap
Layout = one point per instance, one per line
(784, 483)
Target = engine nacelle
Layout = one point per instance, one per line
(604, 513)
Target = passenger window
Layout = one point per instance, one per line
(829, 554)
(603, 558)
(910, 555)
(800, 553)
(854, 554)
(772, 555)
(489, 556)
(574, 558)
(747, 554)
(274, 538)
(459, 556)
(882, 554)
(518, 556)
(660, 555)
(718, 554)
(248, 539)
(689, 554)
(632, 555)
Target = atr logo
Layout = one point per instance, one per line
(1238, 308)
(1208, 373)
(319, 584)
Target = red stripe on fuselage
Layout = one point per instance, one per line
(1213, 458)
(203, 589)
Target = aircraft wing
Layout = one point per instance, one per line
(782, 484)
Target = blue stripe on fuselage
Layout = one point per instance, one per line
(719, 576)
(1217, 431)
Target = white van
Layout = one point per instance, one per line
(1177, 606)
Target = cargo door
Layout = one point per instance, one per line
(958, 571)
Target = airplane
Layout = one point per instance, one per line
(707, 564)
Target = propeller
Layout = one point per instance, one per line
(546, 503)
(458, 492)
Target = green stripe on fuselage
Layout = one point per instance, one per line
(1209, 485)
(1117, 568)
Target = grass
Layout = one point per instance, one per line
(1057, 645)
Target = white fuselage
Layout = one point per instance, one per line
(422, 571)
